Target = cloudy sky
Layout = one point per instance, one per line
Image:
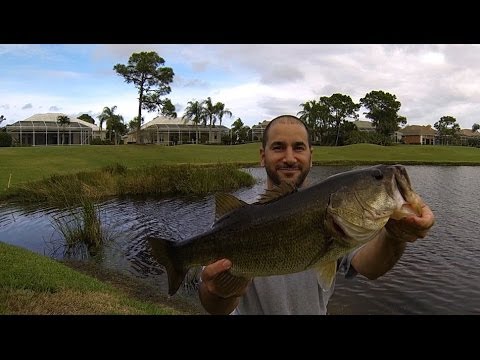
(254, 81)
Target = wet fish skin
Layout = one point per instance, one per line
(290, 230)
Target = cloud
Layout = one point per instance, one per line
(182, 82)
(275, 106)
(179, 107)
(27, 106)
(282, 74)
(254, 81)
(200, 66)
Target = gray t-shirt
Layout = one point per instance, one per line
(292, 294)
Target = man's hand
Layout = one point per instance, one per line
(218, 281)
(411, 228)
(379, 255)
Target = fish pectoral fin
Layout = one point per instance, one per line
(225, 203)
(230, 285)
(326, 273)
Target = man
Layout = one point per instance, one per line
(286, 154)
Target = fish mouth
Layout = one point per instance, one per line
(369, 217)
(402, 181)
(408, 202)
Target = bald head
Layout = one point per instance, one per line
(284, 119)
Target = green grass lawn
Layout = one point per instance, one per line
(34, 163)
(406, 154)
(34, 284)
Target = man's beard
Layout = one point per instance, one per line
(275, 177)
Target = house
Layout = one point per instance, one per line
(44, 130)
(418, 134)
(367, 126)
(175, 131)
(469, 137)
(258, 130)
(364, 125)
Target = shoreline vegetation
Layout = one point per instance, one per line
(118, 181)
(66, 176)
(32, 284)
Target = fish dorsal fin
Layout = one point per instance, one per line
(225, 203)
(326, 273)
(277, 192)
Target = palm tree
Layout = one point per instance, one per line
(221, 111)
(195, 112)
(108, 115)
(63, 120)
(2, 118)
(210, 113)
(309, 116)
(213, 112)
(118, 126)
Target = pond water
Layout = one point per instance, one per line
(436, 275)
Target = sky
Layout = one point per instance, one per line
(256, 82)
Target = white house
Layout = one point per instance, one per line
(44, 130)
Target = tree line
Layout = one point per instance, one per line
(326, 117)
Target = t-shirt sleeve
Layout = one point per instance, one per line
(344, 265)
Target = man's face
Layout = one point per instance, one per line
(287, 156)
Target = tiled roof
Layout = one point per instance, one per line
(262, 124)
(469, 133)
(52, 117)
(167, 121)
(363, 124)
(175, 122)
(418, 130)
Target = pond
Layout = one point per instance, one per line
(436, 275)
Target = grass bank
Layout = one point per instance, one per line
(366, 154)
(35, 284)
(20, 165)
(117, 180)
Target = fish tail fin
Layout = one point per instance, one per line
(165, 253)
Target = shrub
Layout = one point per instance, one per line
(97, 141)
(5, 139)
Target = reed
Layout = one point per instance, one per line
(81, 229)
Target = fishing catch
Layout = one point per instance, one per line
(290, 230)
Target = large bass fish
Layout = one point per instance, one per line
(291, 230)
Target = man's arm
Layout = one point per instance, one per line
(380, 254)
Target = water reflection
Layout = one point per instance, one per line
(436, 275)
